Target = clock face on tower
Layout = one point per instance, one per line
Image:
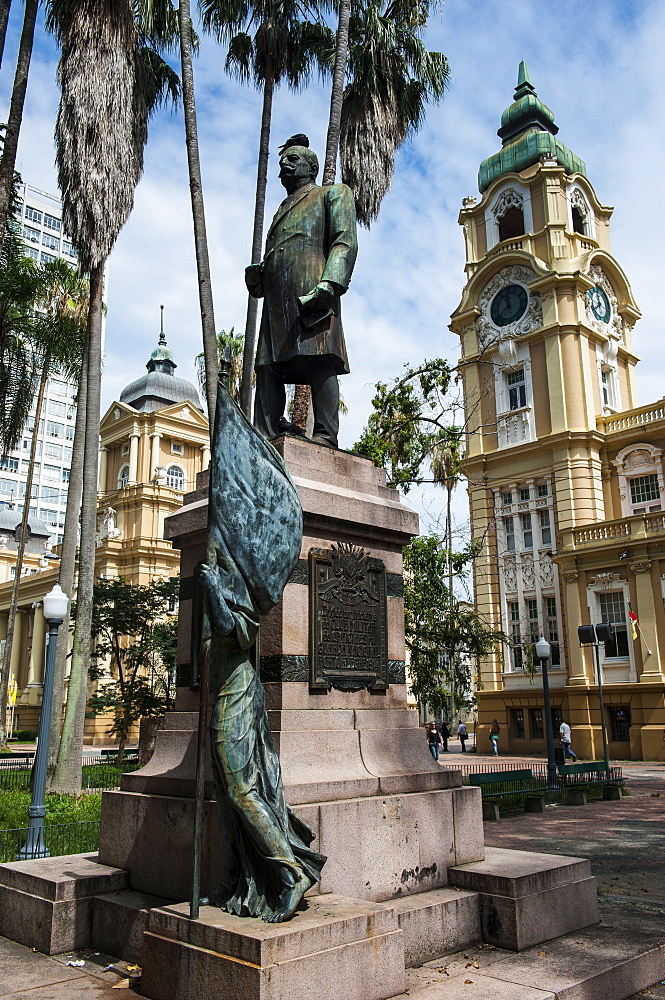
(509, 304)
(600, 304)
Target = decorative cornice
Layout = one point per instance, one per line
(641, 567)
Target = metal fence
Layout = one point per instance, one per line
(61, 838)
(96, 777)
(591, 782)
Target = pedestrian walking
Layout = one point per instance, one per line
(444, 733)
(462, 734)
(564, 734)
(433, 739)
(495, 730)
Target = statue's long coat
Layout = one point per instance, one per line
(312, 238)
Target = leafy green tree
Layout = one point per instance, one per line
(108, 93)
(414, 425)
(444, 637)
(135, 638)
(393, 77)
(55, 343)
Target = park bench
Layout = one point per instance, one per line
(16, 761)
(508, 787)
(590, 777)
(131, 753)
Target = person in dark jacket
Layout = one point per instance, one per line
(444, 732)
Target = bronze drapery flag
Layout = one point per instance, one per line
(254, 541)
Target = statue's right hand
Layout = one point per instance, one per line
(254, 280)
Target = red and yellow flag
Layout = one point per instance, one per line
(632, 617)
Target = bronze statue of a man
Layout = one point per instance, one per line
(310, 252)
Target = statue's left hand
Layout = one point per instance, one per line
(254, 280)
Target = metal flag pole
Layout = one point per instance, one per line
(200, 659)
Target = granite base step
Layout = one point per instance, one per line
(614, 959)
(119, 920)
(527, 898)
(335, 947)
(437, 922)
(47, 903)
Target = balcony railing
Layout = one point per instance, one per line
(632, 418)
(639, 526)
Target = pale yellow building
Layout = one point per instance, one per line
(565, 470)
(154, 440)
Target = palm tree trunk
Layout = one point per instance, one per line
(337, 93)
(68, 565)
(4, 17)
(13, 603)
(68, 770)
(8, 159)
(257, 246)
(198, 211)
(449, 568)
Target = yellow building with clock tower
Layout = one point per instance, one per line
(565, 470)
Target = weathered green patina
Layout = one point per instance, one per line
(254, 540)
(528, 133)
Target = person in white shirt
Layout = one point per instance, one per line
(564, 733)
(462, 734)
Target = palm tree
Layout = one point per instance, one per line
(337, 91)
(107, 94)
(393, 76)
(19, 286)
(229, 346)
(55, 345)
(269, 41)
(10, 145)
(5, 6)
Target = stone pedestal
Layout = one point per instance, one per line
(355, 762)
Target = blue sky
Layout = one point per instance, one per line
(597, 65)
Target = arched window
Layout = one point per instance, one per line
(511, 224)
(123, 477)
(175, 478)
(580, 213)
(641, 480)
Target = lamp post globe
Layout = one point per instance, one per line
(56, 604)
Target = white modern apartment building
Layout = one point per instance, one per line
(41, 228)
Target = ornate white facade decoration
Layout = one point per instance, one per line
(510, 574)
(605, 580)
(528, 574)
(640, 459)
(488, 332)
(546, 567)
(107, 526)
(615, 326)
(508, 199)
(514, 427)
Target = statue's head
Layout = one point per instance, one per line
(297, 166)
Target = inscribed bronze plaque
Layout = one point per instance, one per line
(348, 619)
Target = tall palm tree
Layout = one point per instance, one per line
(10, 144)
(269, 41)
(337, 91)
(393, 77)
(5, 6)
(107, 95)
(55, 346)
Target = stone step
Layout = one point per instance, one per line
(337, 946)
(437, 922)
(616, 958)
(527, 897)
(119, 920)
(47, 903)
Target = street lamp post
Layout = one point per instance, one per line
(543, 652)
(55, 608)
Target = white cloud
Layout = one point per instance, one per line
(597, 66)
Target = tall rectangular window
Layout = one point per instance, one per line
(506, 499)
(525, 494)
(517, 717)
(542, 490)
(527, 531)
(612, 607)
(552, 630)
(516, 389)
(69, 433)
(532, 614)
(509, 528)
(514, 631)
(620, 724)
(545, 528)
(68, 248)
(537, 728)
